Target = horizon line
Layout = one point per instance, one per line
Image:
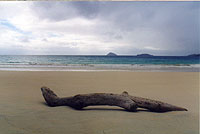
(89, 55)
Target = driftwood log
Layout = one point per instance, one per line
(124, 100)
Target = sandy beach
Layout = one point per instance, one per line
(23, 109)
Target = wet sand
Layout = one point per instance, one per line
(23, 110)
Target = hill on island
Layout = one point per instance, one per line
(144, 55)
(194, 55)
(111, 54)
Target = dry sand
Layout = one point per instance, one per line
(23, 111)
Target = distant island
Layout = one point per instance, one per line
(111, 54)
(144, 55)
(194, 55)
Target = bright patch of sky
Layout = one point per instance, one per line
(95, 28)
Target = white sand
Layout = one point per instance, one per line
(23, 111)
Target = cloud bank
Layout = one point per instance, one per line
(93, 28)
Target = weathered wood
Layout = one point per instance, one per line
(84, 100)
(124, 100)
(153, 105)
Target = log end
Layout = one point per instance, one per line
(50, 97)
(167, 108)
(181, 109)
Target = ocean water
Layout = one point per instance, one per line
(95, 62)
(64, 60)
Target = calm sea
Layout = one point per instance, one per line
(105, 62)
(63, 59)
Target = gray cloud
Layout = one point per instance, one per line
(58, 11)
(54, 11)
(89, 9)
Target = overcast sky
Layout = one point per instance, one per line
(95, 28)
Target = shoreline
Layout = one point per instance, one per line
(103, 67)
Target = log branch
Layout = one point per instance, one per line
(153, 105)
(124, 100)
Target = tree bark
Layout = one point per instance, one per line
(124, 100)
